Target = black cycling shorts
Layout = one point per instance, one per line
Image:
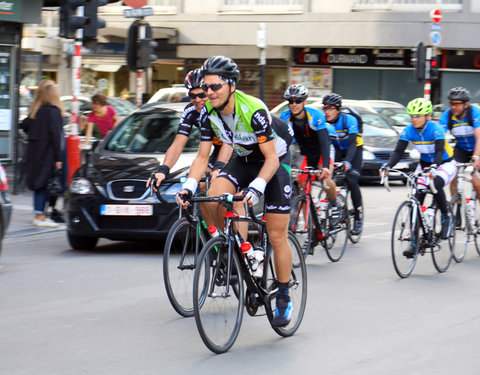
(462, 156)
(278, 191)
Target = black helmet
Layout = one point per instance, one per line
(221, 66)
(194, 79)
(296, 91)
(459, 93)
(332, 99)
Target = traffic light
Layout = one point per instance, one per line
(434, 65)
(140, 46)
(419, 62)
(69, 21)
(90, 11)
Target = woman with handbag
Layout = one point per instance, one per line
(44, 127)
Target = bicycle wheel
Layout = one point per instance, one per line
(218, 296)
(474, 227)
(354, 238)
(298, 286)
(442, 251)
(461, 227)
(337, 233)
(301, 223)
(403, 238)
(183, 244)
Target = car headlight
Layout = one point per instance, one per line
(367, 155)
(80, 185)
(414, 154)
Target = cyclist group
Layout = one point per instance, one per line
(251, 157)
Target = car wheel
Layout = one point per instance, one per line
(82, 243)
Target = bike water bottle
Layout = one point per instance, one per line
(323, 208)
(471, 207)
(260, 259)
(430, 215)
(213, 231)
(249, 255)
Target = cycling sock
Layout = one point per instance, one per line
(282, 288)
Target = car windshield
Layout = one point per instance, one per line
(375, 125)
(122, 107)
(398, 116)
(150, 132)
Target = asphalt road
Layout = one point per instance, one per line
(106, 312)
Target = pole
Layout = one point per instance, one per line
(426, 90)
(141, 35)
(262, 44)
(73, 141)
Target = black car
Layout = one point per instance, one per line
(107, 195)
(5, 205)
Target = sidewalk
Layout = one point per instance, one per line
(22, 215)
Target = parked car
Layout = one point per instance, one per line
(107, 195)
(6, 205)
(176, 93)
(394, 112)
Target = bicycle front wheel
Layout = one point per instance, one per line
(218, 295)
(297, 286)
(182, 246)
(301, 223)
(405, 238)
(460, 226)
(443, 249)
(337, 232)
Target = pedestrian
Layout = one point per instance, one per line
(103, 116)
(44, 128)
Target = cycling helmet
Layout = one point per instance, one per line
(221, 66)
(419, 106)
(296, 91)
(194, 79)
(459, 93)
(332, 99)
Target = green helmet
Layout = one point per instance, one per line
(419, 106)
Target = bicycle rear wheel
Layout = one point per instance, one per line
(403, 238)
(182, 246)
(218, 296)
(298, 286)
(460, 226)
(337, 233)
(301, 223)
(443, 249)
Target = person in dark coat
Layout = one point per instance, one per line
(44, 127)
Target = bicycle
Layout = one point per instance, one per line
(313, 225)
(184, 241)
(464, 210)
(418, 226)
(222, 273)
(339, 176)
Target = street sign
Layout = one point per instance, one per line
(435, 27)
(137, 12)
(435, 38)
(436, 15)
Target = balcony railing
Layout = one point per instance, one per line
(407, 5)
(262, 6)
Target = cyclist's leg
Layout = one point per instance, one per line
(461, 156)
(352, 178)
(445, 174)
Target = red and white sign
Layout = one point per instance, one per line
(136, 3)
(436, 15)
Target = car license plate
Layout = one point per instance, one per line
(126, 210)
(401, 166)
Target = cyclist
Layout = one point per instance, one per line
(463, 121)
(311, 134)
(347, 140)
(260, 163)
(435, 154)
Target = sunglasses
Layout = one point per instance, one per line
(213, 86)
(202, 95)
(456, 104)
(416, 116)
(296, 101)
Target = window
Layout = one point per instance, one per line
(407, 5)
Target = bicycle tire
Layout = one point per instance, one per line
(337, 233)
(403, 232)
(442, 251)
(461, 226)
(354, 238)
(298, 286)
(301, 223)
(218, 317)
(179, 257)
(475, 225)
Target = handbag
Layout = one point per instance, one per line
(55, 184)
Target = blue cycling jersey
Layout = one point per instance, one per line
(339, 133)
(315, 118)
(424, 140)
(461, 129)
